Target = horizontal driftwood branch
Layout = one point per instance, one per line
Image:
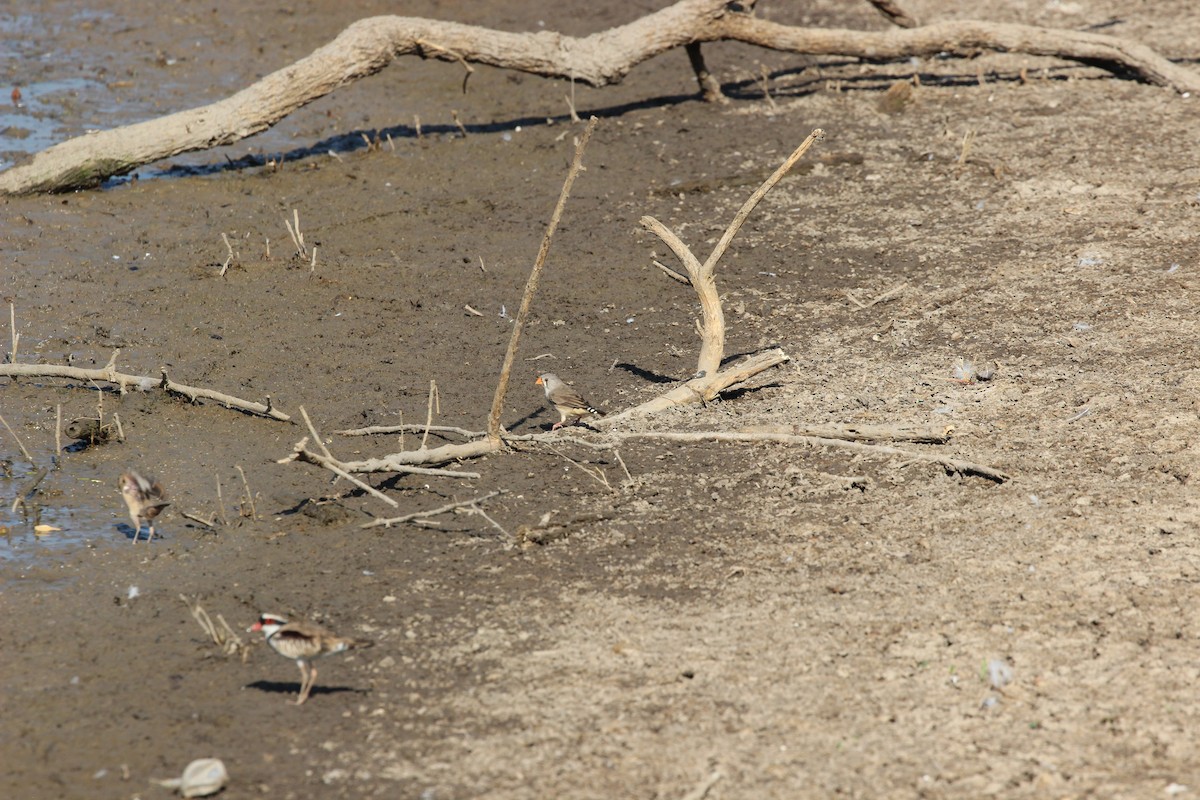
(953, 464)
(604, 58)
(858, 433)
(125, 382)
(700, 389)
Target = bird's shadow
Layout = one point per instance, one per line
(128, 532)
(293, 688)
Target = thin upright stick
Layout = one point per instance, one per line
(221, 503)
(17, 439)
(532, 284)
(16, 337)
(433, 398)
(249, 494)
(57, 432)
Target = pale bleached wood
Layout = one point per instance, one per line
(954, 464)
(602, 59)
(710, 379)
(141, 382)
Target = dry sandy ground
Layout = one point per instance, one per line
(799, 622)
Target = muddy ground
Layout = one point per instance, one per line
(800, 622)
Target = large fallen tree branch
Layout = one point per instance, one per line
(604, 58)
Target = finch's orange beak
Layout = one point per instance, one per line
(539, 382)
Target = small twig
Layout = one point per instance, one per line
(417, 125)
(702, 788)
(458, 122)
(433, 400)
(571, 102)
(482, 268)
(595, 474)
(470, 310)
(12, 329)
(678, 276)
(297, 236)
(27, 492)
(17, 439)
(1086, 410)
(208, 523)
(221, 503)
(313, 267)
(120, 430)
(475, 509)
(387, 523)
(967, 140)
(249, 495)
(299, 453)
(57, 431)
(229, 258)
(223, 637)
(890, 294)
(621, 461)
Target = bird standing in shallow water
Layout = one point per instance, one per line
(302, 642)
(145, 500)
(568, 402)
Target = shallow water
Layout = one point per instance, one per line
(65, 93)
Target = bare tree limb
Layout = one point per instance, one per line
(142, 383)
(953, 464)
(602, 59)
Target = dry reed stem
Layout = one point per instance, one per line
(249, 494)
(228, 258)
(12, 329)
(434, 399)
(221, 502)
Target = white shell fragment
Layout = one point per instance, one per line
(201, 778)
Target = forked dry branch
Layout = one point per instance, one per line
(710, 380)
(602, 59)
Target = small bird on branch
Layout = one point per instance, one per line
(568, 402)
